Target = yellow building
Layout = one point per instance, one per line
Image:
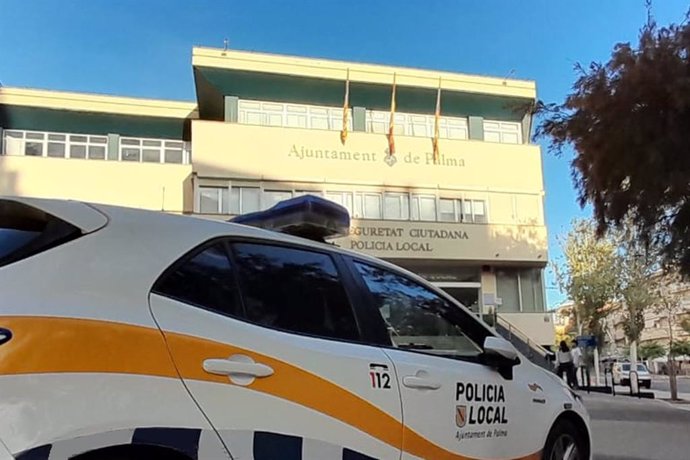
(266, 127)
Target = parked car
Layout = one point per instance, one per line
(621, 375)
(128, 334)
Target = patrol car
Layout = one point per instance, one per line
(128, 334)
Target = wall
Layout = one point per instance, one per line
(229, 150)
(537, 326)
(483, 243)
(140, 185)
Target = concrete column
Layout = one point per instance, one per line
(476, 128)
(526, 128)
(231, 109)
(113, 152)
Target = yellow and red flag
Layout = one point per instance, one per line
(391, 127)
(346, 109)
(437, 119)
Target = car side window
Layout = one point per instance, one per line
(205, 279)
(295, 290)
(417, 318)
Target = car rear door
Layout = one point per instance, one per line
(268, 343)
(454, 406)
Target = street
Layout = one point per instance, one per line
(660, 382)
(626, 428)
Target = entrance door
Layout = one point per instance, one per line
(453, 405)
(467, 293)
(266, 340)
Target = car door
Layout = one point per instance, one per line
(268, 343)
(453, 405)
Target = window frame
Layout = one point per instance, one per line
(45, 142)
(219, 191)
(418, 197)
(476, 330)
(403, 199)
(355, 295)
(503, 129)
(161, 148)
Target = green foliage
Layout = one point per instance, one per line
(628, 122)
(638, 262)
(588, 274)
(651, 350)
(680, 348)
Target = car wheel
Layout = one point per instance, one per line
(565, 442)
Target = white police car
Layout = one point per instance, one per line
(128, 334)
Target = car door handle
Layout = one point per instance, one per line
(420, 383)
(230, 367)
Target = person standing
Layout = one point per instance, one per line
(578, 362)
(565, 363)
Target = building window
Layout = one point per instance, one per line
(244, 200)
(396, 206)
(423, 207)
(213, 200)
(291, 115)
(418, 125)
(449, 210)
(506, 132)
(272, 197)
(54, 145)
(153, 150)
(343, 199)
(368, 206)
(474, 211)
(520, 290)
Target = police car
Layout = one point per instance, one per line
(129, 334)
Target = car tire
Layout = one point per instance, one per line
(647, 385)
(565, 442)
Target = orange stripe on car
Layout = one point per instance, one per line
(69, 345)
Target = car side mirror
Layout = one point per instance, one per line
(501, 355)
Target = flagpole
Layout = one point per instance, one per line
(391, 127)
(346, 109)
(437, 117)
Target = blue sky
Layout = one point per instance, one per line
(143, 47)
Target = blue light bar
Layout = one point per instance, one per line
(307, 216)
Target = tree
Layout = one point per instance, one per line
(638, 262)
(685, 323)
(588, 275)
(681, 348)
(651, 350)
(627, 121)
(669, 304)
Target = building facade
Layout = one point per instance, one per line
(265, 128)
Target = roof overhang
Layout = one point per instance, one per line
(261, 76)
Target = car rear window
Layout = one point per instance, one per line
(25, 231)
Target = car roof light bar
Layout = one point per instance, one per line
(307, 216)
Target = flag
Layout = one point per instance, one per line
(437, 119)
(391, 128)
(346, 109)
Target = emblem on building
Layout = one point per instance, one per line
(390, 159)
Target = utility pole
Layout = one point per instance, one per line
(671, 358)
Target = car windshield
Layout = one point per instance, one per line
(640, 367)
